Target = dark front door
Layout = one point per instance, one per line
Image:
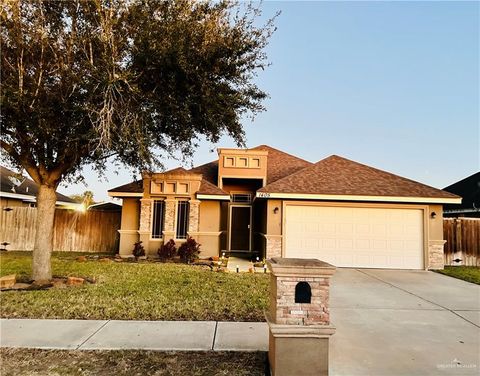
(240, 228)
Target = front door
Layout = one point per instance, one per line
(240, 228)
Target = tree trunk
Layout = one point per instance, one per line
(42, 250)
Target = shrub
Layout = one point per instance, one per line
(167, 250)
(138, 250)
(189, 250)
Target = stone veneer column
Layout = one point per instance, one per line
(169, 226)
(273, 246)
(145, 228)
(145, 214)
(194, 217)
(435, 254)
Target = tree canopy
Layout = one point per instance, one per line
(86, 198)
(86, 81)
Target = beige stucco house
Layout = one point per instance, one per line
(265, 202)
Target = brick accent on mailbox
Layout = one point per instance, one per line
(288, 312)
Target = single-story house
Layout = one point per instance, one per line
(18, 190)
(107, 206)
(469, 190)
(266, 202)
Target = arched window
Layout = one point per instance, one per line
(303, 293)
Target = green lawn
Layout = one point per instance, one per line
(15, 362)
(131, 291)
(467, 273)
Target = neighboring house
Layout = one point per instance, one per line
(469, 190)
(105, 206)
(17, 190)
(265, 202)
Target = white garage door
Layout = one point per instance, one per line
(356, 237)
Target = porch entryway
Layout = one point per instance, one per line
(240, 229)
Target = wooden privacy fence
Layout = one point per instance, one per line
(463, 241)
(92, 231)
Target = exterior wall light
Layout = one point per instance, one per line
(433, 215)
(275, 211)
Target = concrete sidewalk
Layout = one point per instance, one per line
(145, 335)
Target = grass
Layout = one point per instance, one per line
(135, 291)
(467, 273)
(59, 362)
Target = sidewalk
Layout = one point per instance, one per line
(145, 335)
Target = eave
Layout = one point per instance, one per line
(201, 196)
(125, 194)
(324, 197)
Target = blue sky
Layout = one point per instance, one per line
(394, 85)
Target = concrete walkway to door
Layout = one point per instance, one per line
(399, 322)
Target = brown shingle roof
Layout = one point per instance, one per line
(339, 176)
(132, 187)
(207, 188)
(281, 164)
(208, 170)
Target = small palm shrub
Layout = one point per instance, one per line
(167, 251)
(189, 250)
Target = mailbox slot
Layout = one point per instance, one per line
(303, 293)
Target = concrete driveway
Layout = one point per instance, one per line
(397, 322)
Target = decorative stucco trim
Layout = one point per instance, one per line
(128, 232)
(306, 196)
(125, 194)
(462, 211)
(205, 233)
(212, 197)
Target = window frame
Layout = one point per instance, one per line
(187, 218)
(153, 221)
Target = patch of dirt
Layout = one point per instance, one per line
(37, 362)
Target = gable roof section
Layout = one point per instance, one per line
(136, 187)
(281, 164)
(27, 187)
(132, 187)
(209, 171)
(207, 188)
(336, 176)
(469, 190)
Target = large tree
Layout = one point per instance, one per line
(84, 82)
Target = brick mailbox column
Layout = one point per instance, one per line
(299, 316)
